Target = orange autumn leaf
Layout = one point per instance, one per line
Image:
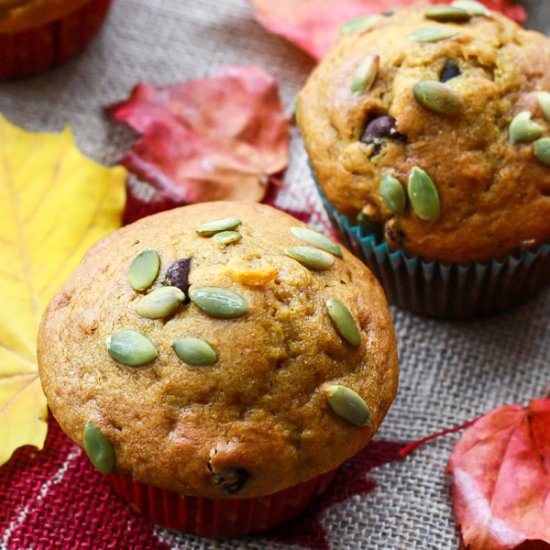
(314, 25)
(218, 138)
(55, 203)
(501, 479)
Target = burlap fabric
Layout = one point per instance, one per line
(450, 372)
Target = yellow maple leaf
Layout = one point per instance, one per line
(54, 204)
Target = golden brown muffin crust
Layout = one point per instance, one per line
(18, 15)
(260, 407)
(495, 196)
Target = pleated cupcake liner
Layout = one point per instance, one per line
(37, 49)
(450, 291)
(209, 517)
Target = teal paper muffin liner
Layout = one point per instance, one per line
(447, 291)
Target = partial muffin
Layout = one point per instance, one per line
(36, 35)
(224, 360)
(430, 129)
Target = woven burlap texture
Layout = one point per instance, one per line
(450, 373)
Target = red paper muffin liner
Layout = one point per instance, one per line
(38, 49)
(209, 517)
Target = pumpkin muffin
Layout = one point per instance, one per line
(36, 35)
(428, 131)
(220, 351)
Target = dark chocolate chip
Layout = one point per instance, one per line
(379, 127)
(449, 71)
(382, 127)
(388, 13)
(178, 275)
(232, 480)
(393, 235)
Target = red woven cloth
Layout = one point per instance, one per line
(54, 499)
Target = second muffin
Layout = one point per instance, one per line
(428, 130)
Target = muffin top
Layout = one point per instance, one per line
(431, 123)
(273, 372)
(17, 15)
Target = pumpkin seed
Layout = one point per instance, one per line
(317, 240)
(423, 195)
(223, 238)
(544, 102)
(432, 34)
(392, 193)
(312, 258)
(437, 97)
(343, 322)
(523, 129)
(542, 150)
(348, 405)
(365, 75)
(160, 303)
(130, 348)
(210, 228)
(98, 448)
(144, 269)
(219, 302)
(472, 7)
(195, 352)
(448, 13)
(360, 23)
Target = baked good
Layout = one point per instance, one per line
(433, 125)
(223, 384)
(36, 35)
(494, 194)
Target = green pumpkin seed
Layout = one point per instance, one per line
(348, 405)
(98, 448)
(223, 238)
(523, 129)
(437, 97)
(195, 352)
(219, 302)
(144, 269)
(423, 195)
(312, 258)
(343, 322)
(210, 228)
(130, 348)
(160, 303)
(392, 193)
(365, 75)
(544, 102)
(317, 240)
(542, 150)
(432, 34)
(472, 7)
(360, 23)
(448, 13)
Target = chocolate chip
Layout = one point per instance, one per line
(382, 126)
(379, 127)
(231, 480)
(178, 275)
(388, 13)
(449, 71)
(393, 235)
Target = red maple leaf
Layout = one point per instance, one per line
(314, 25)
(218, 138)
(501, 479)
